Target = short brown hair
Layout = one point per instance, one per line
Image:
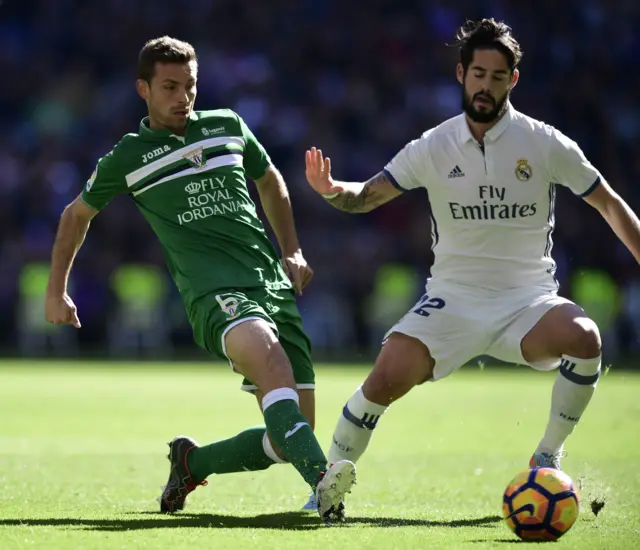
(487, 34)
(163, 50)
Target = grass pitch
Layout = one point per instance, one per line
(82, 457)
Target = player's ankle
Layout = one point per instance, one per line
(548, 450)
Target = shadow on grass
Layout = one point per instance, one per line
(286, 521)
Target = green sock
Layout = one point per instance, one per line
(244, 452)
(290, 431)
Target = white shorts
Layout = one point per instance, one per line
(458, 324)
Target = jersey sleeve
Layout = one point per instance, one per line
(104, 184)
(409, 168)
(570, 167)
(256, 161)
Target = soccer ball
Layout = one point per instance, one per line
(540, 504)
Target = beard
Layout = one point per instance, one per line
(165, 118)
(484, 116)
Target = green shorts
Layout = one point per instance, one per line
(213, 315)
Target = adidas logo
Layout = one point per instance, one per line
(456, 172)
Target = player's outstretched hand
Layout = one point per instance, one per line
(298, 270)
(318, 172)
(60, 310)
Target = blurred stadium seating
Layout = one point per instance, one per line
(357, 79)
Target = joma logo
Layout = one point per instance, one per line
(155, 153)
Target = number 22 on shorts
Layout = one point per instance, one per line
(425, 304)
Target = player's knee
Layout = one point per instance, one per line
(256, 353)
(584, 340)
(380, 385)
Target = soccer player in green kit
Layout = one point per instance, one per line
(186, 171)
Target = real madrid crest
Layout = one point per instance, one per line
(524, 170)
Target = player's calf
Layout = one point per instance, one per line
(402, 363)
(565, 333)
(307, 402)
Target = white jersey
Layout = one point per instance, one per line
(492, 205)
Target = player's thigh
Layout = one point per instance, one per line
(292, 336)
(283, 313)
(233, 326)
(431, 341)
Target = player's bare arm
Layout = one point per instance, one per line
(73, 227)
(618, 215)
(362, 197)
(275, 200)
(354, 197)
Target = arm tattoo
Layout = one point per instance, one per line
(370, 196)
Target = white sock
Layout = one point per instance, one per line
(572, 391)
(355, 428)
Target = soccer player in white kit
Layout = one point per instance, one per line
(491, 174)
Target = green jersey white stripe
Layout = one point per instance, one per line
(216, 162)
(141, 173)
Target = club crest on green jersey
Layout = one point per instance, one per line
(228, 305)
(196, 157)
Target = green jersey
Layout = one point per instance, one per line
(192, 190)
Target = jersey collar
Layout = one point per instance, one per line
(493, 134)
(146, 131)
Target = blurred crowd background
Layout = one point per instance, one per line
(358, 79)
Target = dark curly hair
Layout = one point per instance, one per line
(487, 34)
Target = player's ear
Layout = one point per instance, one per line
(142, 87)
(515, 78)
(460, 73)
